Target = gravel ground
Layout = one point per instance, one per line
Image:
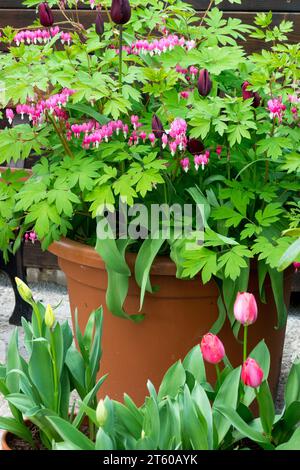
(57, 295)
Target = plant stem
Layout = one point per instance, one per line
(91, 430)
(61, 137)
(120, 55)
(218, 374)
(248, 165)
(267, 171)
(38, 316)
(55, 375)
(245, 343)
(207, 11)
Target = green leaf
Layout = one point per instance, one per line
(89, 111)
(111, 254)
(144, 261)
(87, 400)
(70, 434)
(266, 407)
(234, 261)
(126, 420)
(218, 324)
(41, 372)
(103, 441)
(278, 292)
(199, 198)
(292, 389)
(269, 215)
(13, 362)
(118, 282)
(235, 420)
(227, 396)
(293, 443)
(201, 400)
(193, 362)
(228, 214)
(274, 146)
(194, 425)
(75, 364)
(291, 254)
(151, 422)
(292, 162)
(262, 272)
(172, 382)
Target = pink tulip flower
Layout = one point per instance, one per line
(245, 308)
(252, 374)
(212, 348)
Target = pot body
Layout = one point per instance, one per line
(4, 445)
(176, 317)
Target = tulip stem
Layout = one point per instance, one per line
(91, 430)
(55, 372)
(245, 343)
(120, 54)
(38, 317)
(218, 374)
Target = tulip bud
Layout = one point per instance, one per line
(247, 95)
(212, 348)
(49, 316)
(252, 375)
(99, 24)
(46, 15)
(157, 127)
(204, 83)
(245, 308)
(24, 290)
(101, 413)
(120, 11)
(195, 147)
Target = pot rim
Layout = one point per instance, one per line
(88, 256)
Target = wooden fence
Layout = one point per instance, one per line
(13, 13)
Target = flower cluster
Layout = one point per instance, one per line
(31, 236)
(102, 133)
(52, 105)
(276, 108)
(199, 160)
(296, 265)
(177, 132)
(40, 36)
(159, 46)
(294, 100)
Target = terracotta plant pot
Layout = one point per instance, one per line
(13, 170)
(4, 445)
(176, 318)
(8, 438)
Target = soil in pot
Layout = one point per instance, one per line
(16, 443)
(12, 442)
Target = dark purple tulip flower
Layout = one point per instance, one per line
(248, 94)
(120, 11)
(195, 146)
(204, 83)
(45, 15)
(157, 127)
(99, 24)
